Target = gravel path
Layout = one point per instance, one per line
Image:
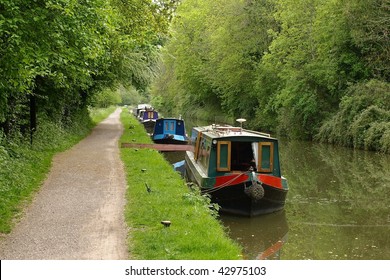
(78, 212)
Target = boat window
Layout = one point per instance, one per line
(266, 157)
(242, 156)
(223, 156)
(197, 145)
(166, 126)
(204, 153)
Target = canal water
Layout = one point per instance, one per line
(337, 207)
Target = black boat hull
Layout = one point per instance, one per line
(234, 200)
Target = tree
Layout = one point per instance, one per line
(286, 65)
(211, 57)
(55, 55)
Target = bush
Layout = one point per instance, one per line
(385, 140)
(377, 137)
(362, 120)
(367, 119)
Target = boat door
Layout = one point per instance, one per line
(169, 126)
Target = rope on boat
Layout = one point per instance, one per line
(226, 184)
(254, 191)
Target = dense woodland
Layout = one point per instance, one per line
(57, 57)
(306, 69)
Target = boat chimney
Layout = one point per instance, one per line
(241, 121)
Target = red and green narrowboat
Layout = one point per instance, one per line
(239, 168)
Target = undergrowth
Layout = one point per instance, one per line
(363, 119)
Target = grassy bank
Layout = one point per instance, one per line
(23, 166)
(194, 233)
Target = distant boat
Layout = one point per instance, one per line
(169, 131)
(239, 168)
(140, 107)
(148, 118)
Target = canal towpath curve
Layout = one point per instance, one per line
(78, 213)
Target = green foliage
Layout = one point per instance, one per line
(363, 118)
(61, 53)
(285, 65)
(211, 56)
(106, 98)
(369, 24)
(311, 63)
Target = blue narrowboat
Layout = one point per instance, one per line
(169, 131)
(239, 168)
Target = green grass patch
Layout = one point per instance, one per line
(23, 166)
(194, 232)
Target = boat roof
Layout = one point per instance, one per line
(143, 106)
(169, 118)
(225, 131)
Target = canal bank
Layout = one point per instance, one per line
(156, 193)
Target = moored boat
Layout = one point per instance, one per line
(239, 168)
(148, 118)
(140, 107)
(169, 131)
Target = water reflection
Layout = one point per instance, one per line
(261, 237)
(338, 204)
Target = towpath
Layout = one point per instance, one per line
(78, 212)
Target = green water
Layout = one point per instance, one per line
(337, 208)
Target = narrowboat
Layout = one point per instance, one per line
(169, 131)
(239, 168)
(148, 118)
(140, 107)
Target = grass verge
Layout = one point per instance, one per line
(194, 233)
(23, 166)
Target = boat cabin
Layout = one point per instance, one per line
(169, 131)
(149, 114)
(226, 149)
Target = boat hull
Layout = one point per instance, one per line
(233, 199)
(149, 125)
(169, 139)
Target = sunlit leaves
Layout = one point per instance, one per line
(64, 51)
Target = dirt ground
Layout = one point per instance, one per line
(79, 211)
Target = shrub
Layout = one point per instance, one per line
(361, 118)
